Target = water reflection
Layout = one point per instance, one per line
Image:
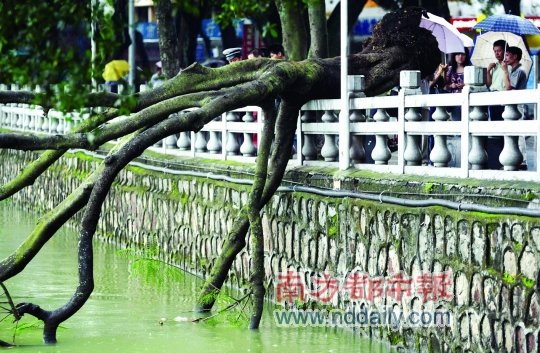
(123, 313)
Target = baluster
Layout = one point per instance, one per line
(171, 140)
(329, 151)
(184, 141)
(381, 153)
(19, 120)
(511, 157)
(200, 142)
(214, 142)
(2, 111)
(232, 147)
(12, 116)
(70, 118)
(61, 125)
(357, 151)
(38, 116)
(309, 150)
(248, 148)
(45, 125)
(53, 125)
(18, 116)
(413, 152)
(31, 116)
(478, 157)
(440, 155)
(26, 113)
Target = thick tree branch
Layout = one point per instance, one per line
(32, 171)
(235, 240)
(97, 99)
(253, 211)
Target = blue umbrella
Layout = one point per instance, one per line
(507, 23)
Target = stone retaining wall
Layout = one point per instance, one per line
(493, 259)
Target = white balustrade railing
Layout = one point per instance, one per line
(234, 135)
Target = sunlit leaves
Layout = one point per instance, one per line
(270, 28)
(231, 9)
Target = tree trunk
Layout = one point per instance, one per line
(318, 29)
(188, 24)
(168, 40)
(354, 9)
(295, 38)
(254, 214)
(512, 7)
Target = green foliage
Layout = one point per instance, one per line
(47, 42)
(147, 265)
(210, 297)
(232, 9)
(529, 283)
(508, 278)
(270, 28)
(429, 187)
(333, 226)
(488, 6)
(529, 196)
(33, 325)
(230, 312)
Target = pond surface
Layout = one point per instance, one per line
(124, 311)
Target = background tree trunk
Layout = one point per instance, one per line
(188, 26)
(168, 40)
(229, 38)
(333, 24)
(436, 7)
(512, 6)
(318, 30)
(295, 38)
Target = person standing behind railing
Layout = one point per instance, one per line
(435, 85)
(517, 79)
(495, 83)
(454, 79)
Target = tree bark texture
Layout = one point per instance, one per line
(168, 40)
(295, 38)
(318, 29)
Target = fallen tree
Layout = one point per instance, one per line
(398, 44)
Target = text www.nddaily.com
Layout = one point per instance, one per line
(363, 318)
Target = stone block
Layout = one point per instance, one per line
(356, 83)
(409, 79)
(475, 75)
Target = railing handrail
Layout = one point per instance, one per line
(405, 101)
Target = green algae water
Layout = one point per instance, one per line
(124, 312)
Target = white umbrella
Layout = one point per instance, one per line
(447, 35)
(483, 51)
(467, 41)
